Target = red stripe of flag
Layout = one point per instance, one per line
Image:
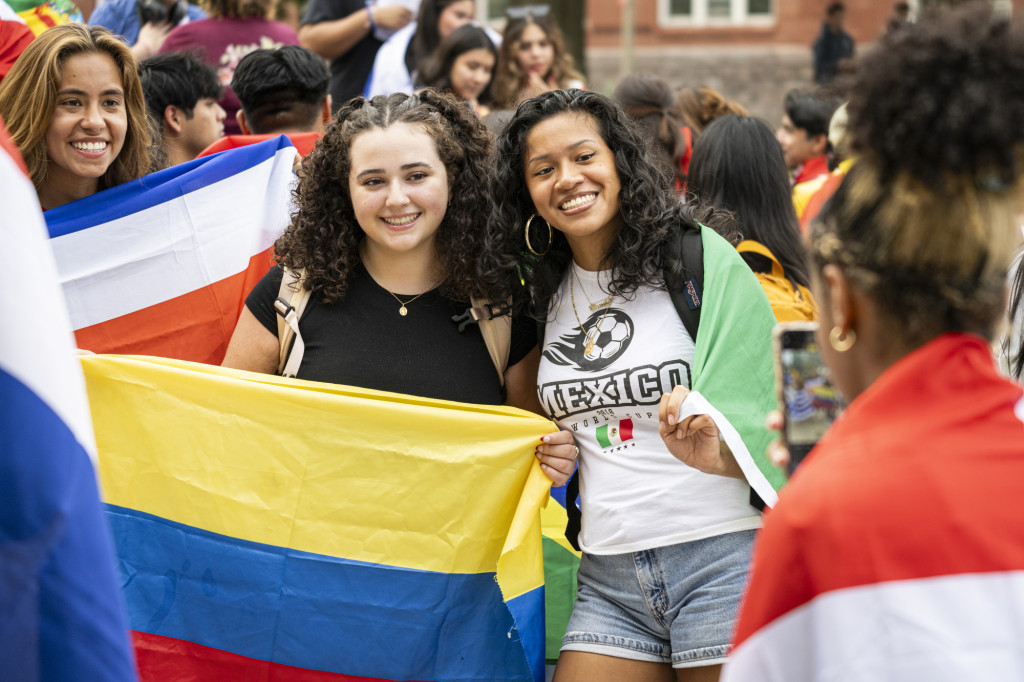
(160, 659)
(195, 326)
(626, 429)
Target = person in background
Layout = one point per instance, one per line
(343, 32)
(74, 107)
(813, 195)
(282, 91)
(181, 93)
(696, 108)
(144, 24)
(803, 134)
(896, 552)
(833, 46)
(235, 28)
(407, 51)
(737, 166)
(533, 59)
(650, 102)
(463, 65)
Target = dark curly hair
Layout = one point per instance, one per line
(323, 237)
(925, 223)
(652, 216)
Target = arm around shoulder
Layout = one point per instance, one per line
(332, 39)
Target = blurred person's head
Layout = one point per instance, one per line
(435, 21)
(282, 90)
(834, 16)
(73, 105)
(181, 93)
(737, 166)
(650, 102)
(463, 65)
(532, 43)
(697, 107)
(803, 133)
(918, 239)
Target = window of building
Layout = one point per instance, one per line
(714, 12)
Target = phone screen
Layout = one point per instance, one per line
(808, 398)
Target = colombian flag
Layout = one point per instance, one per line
(162, 265)
(62, 613)
(278, 529)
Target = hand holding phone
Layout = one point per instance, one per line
(808, 400)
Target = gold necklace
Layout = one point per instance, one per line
(589, 347)
(403, 311)
(593, 306)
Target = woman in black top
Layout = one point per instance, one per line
(390, 219)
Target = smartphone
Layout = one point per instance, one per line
(808, 400)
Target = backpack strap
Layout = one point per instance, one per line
(750, 246)
(291, 302)
(495, 325)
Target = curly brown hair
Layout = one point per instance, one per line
(323, 237)
(238, 9)
(925, 223)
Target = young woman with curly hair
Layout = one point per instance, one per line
(897, 551)
(532, 60)
(601, 239)
(388, 227)
(74, 106)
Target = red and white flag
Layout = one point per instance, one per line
(896, 554)
(162, 265)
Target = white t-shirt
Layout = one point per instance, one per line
(604, 383)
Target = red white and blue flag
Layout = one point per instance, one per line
(162, 265)
(897, 551)
(61, 611)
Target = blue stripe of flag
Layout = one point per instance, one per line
(314, 611)
(61, 614)
(152, 190)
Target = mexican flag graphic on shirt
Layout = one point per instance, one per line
(614, 434)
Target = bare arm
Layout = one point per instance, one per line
(331, 39)
(252, 347)
(521, 383)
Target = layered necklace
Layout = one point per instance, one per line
(588, 347)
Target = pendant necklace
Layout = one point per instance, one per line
(403, 311)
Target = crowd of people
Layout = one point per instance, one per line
(689, 228)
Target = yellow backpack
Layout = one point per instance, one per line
(790, 301)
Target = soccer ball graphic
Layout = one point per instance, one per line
(611, 335)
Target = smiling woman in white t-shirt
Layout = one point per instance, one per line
(587, 236)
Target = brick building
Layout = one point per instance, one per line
(752, 51)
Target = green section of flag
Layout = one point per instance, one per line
(732, 365)
(560, 567)
(602, 436)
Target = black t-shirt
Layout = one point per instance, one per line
(363, 341)
(350, 70)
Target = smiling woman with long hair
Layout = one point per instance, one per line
(74, 106)
(588, 236)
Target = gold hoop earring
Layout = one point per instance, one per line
(526, 236)
(841, 343)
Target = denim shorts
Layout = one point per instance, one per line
(673, 604)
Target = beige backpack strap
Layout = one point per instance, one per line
(750, 246)
(496, 328)
(291, 302)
